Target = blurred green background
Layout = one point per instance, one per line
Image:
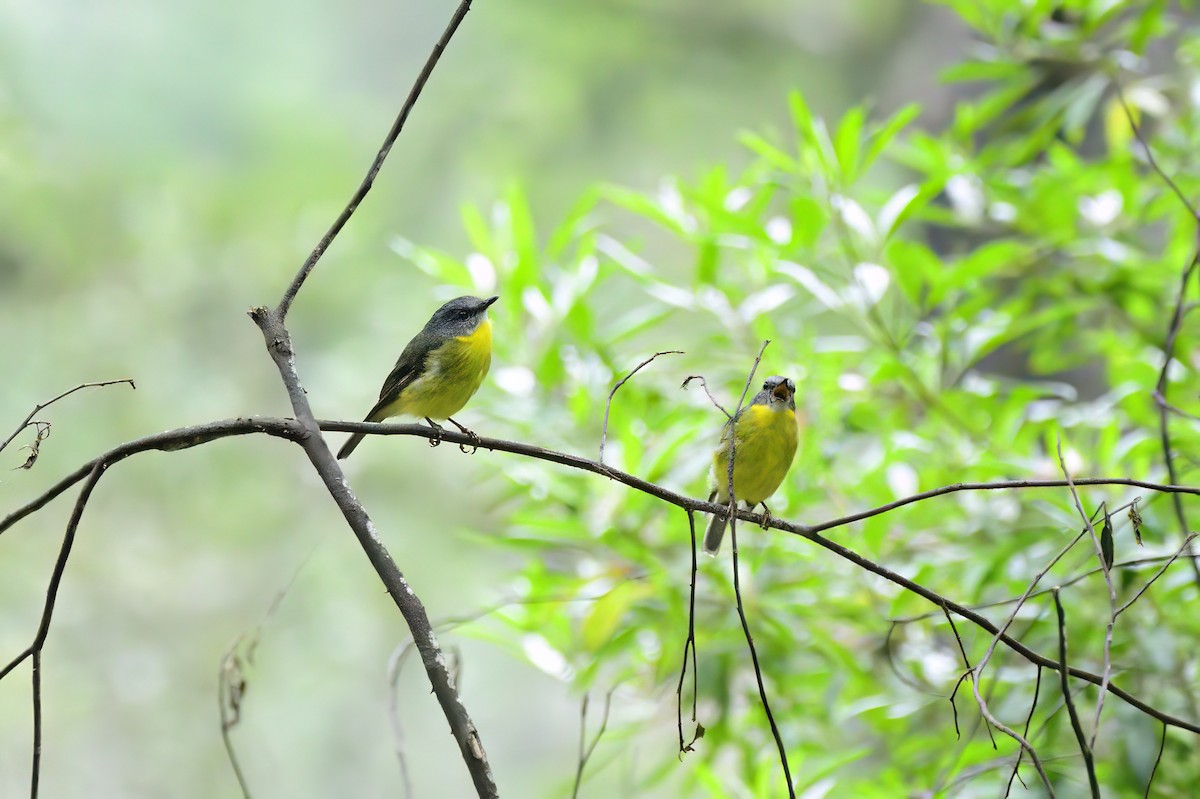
(165, 166)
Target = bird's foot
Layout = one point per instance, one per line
(767, 518)
(437, 431)
(471, 434)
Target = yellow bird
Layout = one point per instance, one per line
(440, 369)
(765, 433)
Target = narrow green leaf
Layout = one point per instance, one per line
(881, 138)
(847, 143)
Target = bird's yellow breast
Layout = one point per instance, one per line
(766, 444)
(453, 373)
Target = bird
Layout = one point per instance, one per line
(439, 370)
(765, 434)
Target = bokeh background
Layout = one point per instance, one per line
(163, 167)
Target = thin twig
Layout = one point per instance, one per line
(1176, 322)
(1137, 132)
(1157, 574)
(711, 398)
(1016, 736)
(733, 422)
(1162, 745)
(689, 645)
(1037, 688)
(291, 429)
(41, 406)
(395, 665)
(231, 677)
(34, 650)
(611, 394)
(36, 679)
(170, 441)
(376, 164)
(762, 690)
(586, 754)
(231, 687)
(1108, 582)
(968, 674)
(1000, 634)
(737, 587)
(1064, 681)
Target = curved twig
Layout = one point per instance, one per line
(41, 406)
(376, 164)
(613, 393)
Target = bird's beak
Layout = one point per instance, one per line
(488, 302)
(781, 392)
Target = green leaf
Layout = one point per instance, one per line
(771, 154)
(881, 138)
(847, 143)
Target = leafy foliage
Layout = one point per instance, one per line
(953, 300)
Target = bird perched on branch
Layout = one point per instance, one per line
(440, 369)
(764, 435)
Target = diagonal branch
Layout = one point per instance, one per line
(279, 345)
(376, 164)
(34, 650)
(1104, 559)
(1174, 326)
(290, 429)
(1064, 681)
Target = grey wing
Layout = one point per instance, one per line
(408, 368)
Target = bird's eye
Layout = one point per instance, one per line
(463, 315)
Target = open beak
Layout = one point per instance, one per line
(781, 392)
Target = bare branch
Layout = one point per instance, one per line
(737, 587)
(762, 690)
(689, 645)
(586, 754)
(1162, 745)
(1137, 132)
(611, 394)
(968, 674)
(1174, 326)
(1187, 542)
(286, 302)
(1108, 583)
(1037, 689)
(291, 430)
(231, 677)
(34, 650)
(711, 398)
(231, 689)
(1016, 736)
(279, 346)
(170, 441)
(812, 533)
(1064, 681)
(41, 406)
(395, 665)
(35, 772)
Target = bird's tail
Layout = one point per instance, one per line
(350, 445)
(715, 532)
(356, 438)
